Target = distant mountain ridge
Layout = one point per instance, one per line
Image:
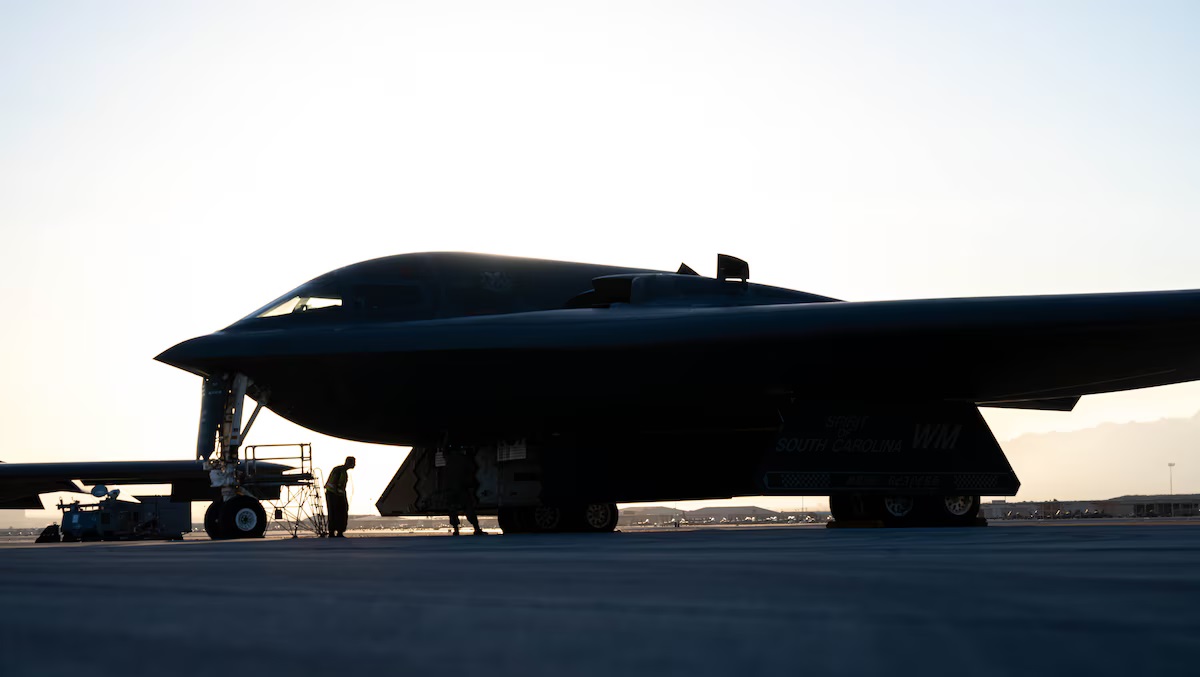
(1112, 459)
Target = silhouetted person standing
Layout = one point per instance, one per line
(459, 474)
(336, 498)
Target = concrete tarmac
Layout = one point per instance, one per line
(1063, 600)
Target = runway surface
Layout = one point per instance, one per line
(1065, 600)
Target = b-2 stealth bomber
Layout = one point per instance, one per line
(572, 387)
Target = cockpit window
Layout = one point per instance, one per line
(342, 298)
(302, 304)
(319, 297)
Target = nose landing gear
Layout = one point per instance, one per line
(234, 514)
(239, 512)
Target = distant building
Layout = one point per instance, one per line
(1179, 505)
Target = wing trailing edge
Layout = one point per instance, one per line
(1047, 404)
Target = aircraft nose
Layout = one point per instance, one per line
(194, 355)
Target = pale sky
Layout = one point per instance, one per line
(167, 167)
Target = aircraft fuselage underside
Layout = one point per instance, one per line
(804, 448)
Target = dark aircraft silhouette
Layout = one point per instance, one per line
(576, 386)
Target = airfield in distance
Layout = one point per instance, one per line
(1089, 596)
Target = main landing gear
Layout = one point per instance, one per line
(592, 518)
(906, 510)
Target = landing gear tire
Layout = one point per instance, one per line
(242, 517)
(598, 518)
(898, 510)
(548, 518)
(212, 523)
(955, 511)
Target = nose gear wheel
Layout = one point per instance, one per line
(242, 517)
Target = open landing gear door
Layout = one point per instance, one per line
(921, 448)
(415, 479)
(436, 480)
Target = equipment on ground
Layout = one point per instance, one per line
(151, 518)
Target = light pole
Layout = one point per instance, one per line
(1171, 485)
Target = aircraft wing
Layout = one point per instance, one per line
(22, 483)
(1037, 351)
(1033, 352)
(20, 493)
(1042, 404)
